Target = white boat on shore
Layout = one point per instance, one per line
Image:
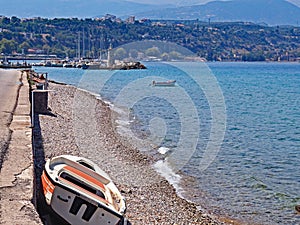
(168, 83)
(81, 193)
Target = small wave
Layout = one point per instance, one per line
(123, 122)
(166, 171)
(107, 102)
(163, 150)
(97, 96)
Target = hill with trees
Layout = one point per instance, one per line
(212, 41)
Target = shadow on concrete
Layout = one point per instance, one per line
(47, 215)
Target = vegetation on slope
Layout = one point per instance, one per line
(212, 41)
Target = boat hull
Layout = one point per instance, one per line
(78, 210)
(81, 193)
(170, 83)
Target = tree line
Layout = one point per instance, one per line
(73, 37)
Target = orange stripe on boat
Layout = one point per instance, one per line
(85, 176)
(46, 183)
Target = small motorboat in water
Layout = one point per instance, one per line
(81, 193)
(168, 83)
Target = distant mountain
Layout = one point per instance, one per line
(71, 8)
(272, 12)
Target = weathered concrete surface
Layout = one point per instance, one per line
(16, 175)
(9, 85)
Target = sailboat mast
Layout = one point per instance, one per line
(78, 46)
(83, 45)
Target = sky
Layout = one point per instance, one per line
(190, 2)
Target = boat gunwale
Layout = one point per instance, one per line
(64, 160)
(92, 181)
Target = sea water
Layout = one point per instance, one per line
(232, 127)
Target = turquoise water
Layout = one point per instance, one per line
(248, 113)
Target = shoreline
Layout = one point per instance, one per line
(83, 125)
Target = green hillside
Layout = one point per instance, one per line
(212, 41)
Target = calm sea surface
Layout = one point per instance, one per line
(233, 127)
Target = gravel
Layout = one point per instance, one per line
(82, 125)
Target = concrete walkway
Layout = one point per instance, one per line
(16, 175)
(9, 85)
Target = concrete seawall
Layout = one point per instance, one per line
(16, 175)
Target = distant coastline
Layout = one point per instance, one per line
(62, 38)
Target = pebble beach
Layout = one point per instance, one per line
(80, 124)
